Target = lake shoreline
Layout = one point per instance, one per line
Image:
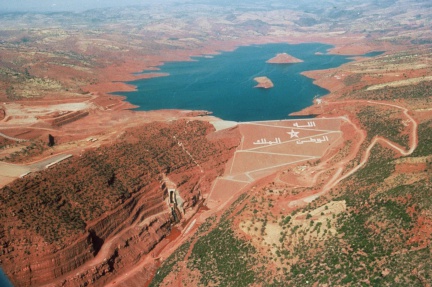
(201, 82)
(117, 76)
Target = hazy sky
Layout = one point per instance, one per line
(63, 5)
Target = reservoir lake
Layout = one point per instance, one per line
(224, 83)
(4, 281)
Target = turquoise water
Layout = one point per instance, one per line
(4, 281)
(223, 84)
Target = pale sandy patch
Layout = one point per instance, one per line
(400, 83)
(221, 125)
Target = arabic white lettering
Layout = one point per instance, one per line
(309, 125)
(265, 142)
(313, 140)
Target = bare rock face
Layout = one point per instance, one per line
(85, 220)
(51, 140)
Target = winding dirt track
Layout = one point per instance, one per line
(413, 143)
(338, 177)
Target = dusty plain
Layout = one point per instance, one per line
(181, 198)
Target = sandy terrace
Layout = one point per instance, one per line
(22, 114)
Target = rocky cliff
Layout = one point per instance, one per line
(85, 220)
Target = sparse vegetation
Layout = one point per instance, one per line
(424, 147)
(169, 263)
(386, 123)
(223, 259)
(28, 150)
(421, 90)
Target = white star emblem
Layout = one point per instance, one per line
(293, 134)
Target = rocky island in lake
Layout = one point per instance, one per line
(264, 83)
(284, 58)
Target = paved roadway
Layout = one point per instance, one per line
(9, 171)
(11, 138)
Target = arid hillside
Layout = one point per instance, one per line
(62, 219)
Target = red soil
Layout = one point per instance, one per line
(405, 168)
(422, 232)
